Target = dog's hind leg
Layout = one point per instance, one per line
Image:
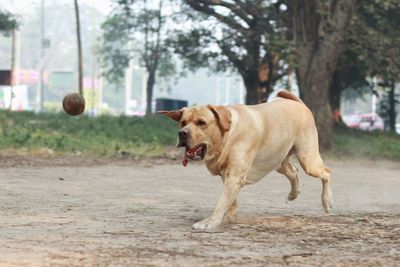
(291, 172)
(311, 162)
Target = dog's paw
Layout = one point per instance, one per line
(327, 203)
(230, 218)
(206, 224)
(293, 195)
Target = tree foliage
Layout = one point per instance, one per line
(371, 50)
(8, 23)
(245, 36)
(374, 36)
(136, 30)
(306, 35)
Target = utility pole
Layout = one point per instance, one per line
(94, 67)
(144, 87)
(373, 96)
(80, 60)
(227, 90)
(128, 82)
(217, 92)
(12, 80)
(100, 103)
(241, 93)
(40, 85)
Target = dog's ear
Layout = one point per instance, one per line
(223, 116)
(175, 115)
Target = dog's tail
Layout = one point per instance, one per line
(289, 95)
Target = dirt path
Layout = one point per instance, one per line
(118, 215)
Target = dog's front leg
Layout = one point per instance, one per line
(232, 185)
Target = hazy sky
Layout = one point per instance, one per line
(19, 6)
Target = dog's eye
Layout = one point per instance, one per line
(183, 123)
(200, 123)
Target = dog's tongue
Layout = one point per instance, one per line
(185, 157)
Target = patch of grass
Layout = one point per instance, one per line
(105, 135)
(373, 145)
(146, 136)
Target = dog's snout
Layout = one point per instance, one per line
(183, 134)
(183, 137)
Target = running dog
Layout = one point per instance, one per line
(243, 143)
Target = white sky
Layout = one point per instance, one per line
(20, 6)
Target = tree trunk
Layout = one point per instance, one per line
(335, 95)
(269, 85)
(149, 90)
(251, 82)
(314, 90)
(392, 107)
(318, 30)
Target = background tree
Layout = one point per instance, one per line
(246, 36)
(259, 31)
(8, 23)
(379, 37)
(136, 30)
(389, 100)
(351, 74)
(319, 29)
(371, 51)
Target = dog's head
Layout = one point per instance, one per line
(201, 129)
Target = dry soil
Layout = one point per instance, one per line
(140, 214)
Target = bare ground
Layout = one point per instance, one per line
(63, 213)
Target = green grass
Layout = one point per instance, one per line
(147, 136)
(372, 145)
(103, 135)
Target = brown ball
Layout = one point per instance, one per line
(74, 104)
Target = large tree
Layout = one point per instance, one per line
(257, 31)
(136, 30)
(371, 51)
(319, 29)
(246, 36)
(381, 21)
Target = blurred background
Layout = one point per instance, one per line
(55, 57)
(140, 56)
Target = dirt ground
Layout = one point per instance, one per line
(63, 213)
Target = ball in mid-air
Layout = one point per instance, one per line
(74, 104)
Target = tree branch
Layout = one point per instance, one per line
(204, 7)
(238, 8)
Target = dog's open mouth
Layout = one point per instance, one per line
(195, 153)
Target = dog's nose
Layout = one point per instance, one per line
(183, 137)
(183, 134)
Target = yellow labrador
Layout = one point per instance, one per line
(244, 143)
